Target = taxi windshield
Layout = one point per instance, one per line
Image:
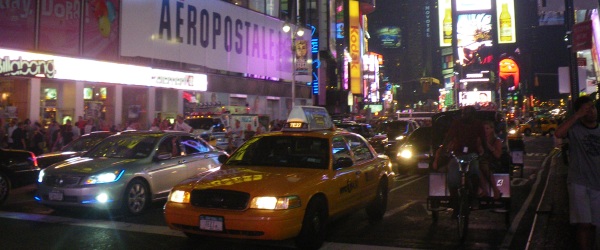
(284, 152)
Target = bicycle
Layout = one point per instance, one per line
(464, 193)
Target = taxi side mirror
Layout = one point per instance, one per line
(343, 162)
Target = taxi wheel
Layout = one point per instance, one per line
(312, 233)
(4, 187)
(527, 132)
(377, 208)
(136, 198)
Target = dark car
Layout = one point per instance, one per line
(396, 131)
(74, 148)
(415, 152)
(17, 168)
(378, 141)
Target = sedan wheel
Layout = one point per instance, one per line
(136, 197)
(4, 188)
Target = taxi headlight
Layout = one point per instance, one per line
(41, 175)
(104, 177)
(275, 203)
(398, 138)
(405, 153)
(512, 131)
(179, 196)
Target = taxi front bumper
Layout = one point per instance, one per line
(246, 224)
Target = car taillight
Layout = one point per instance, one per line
(34, 159)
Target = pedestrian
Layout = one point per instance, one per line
(2, 134)
(89, 127)
(165, 125)
(492, 146)
(38, 142)
(19, 137)
(155, 126)
(11, 128)
(583, 177)
(180, 125)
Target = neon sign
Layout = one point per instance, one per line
(22, 67)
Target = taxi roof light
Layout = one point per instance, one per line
(308, 118)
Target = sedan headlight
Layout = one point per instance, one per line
(179, 196)
(400, 137)
(105, 177)
(275, 203)
(405, 153)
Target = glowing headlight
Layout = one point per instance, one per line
(405, 153)
(399, 137)
(276, 203)
(179, 196)
(105, 177)
(512, 131)
(41, 176)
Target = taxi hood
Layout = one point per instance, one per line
(256, 180)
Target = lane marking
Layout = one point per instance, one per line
(519, 216)
(408, 183)
(140, 228)
(162, 230)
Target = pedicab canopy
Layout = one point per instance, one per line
(308, 118)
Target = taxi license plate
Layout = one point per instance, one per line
(423, 165)
(211, 223)
(55, 196)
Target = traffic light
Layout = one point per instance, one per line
(425, 84)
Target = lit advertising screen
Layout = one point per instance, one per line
(445, 22)
(470, 5)
(474, 42)
(469, 98)
(505, 16)
(389, 37)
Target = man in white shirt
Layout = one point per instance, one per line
(181, 126)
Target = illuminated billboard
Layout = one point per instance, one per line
(389, 37)
(505, 16)
(468, 98)
(445, 22)
(470, 5)
(474, 42)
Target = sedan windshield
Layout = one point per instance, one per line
(283, 151)
(84, 143)
(124, 146)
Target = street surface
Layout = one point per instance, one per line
(407, 223)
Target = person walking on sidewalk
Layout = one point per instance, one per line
(583, 178)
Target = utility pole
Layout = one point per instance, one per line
(573, 71)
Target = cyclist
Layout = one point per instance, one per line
(464, 137)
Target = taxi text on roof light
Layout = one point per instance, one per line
(308, 118)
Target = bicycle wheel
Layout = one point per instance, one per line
(463, 214)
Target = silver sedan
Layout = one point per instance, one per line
(126, 171)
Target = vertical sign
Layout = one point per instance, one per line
(445, 22)
(354, 41)
(505, 17)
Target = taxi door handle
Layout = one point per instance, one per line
(182, 161)
(358, 172)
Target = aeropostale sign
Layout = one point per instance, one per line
(214, 34)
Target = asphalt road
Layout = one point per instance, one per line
(407, 223)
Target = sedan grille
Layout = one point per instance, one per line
(217, 198)
(61, 180)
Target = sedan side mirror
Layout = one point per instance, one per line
(222, 158)
(163, 156)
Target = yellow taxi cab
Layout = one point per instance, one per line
(284, 185)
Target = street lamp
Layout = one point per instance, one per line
(287, 28)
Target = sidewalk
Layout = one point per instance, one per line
(552, 229)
